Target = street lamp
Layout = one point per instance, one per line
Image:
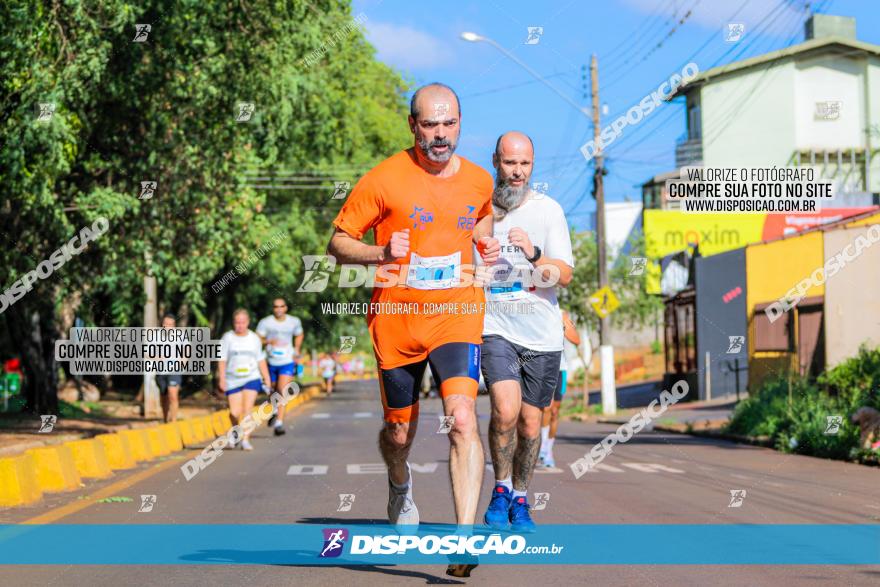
(475, 38)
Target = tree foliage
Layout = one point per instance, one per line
(637, 307)
(166, 110)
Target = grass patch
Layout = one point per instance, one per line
(574, 407)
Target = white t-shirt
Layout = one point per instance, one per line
(328, 367)
(281, 353)
(517, 310)
(243, 354)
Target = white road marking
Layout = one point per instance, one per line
(426, 468)
(379, 468)
(362, 415)
(551, 470)
(604, 467)
(432, 467)
(320, 415)
(651, 467)
(366, 469)
(307, 470)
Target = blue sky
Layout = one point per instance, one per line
(421, 40)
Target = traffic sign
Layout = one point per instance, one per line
(604, 301)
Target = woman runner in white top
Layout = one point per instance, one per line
(244, 373)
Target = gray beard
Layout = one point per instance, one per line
(425, 146)
(506, 199)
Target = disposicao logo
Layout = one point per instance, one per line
(334, 541)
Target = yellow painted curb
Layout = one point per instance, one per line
(90, 458)
(18, 481)
(172, 437)
(54, 468)
(197, 430)
(187, 433)
(207, 428)
(217, 424)
(118, 450)
(24, 478)
(137, 440)
(156, 441)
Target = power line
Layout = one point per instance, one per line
(517, 85)
(659, 44)
(664, 120)
(640, 45)
(656, 15)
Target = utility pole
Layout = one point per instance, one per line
(606, 351)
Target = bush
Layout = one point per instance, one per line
(794, 413)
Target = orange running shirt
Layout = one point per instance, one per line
(440, 214)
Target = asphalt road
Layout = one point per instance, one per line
(330, 449)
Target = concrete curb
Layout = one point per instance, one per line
(718, 435)
(18, 481)
(25, 478)
(54, 468)
(119, 451)
(90, 459)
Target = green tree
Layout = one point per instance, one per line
(637, 307)
(166, 110)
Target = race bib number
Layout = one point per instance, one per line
(241, 365)
(434, 272)
(505, 289)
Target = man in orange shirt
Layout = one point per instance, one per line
(428, 208)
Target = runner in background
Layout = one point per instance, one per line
(551, 415)
(283, 336)
(327, 366)
(244, 373)
(169, 385)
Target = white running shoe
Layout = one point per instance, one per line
(402, 510)
(246, 445)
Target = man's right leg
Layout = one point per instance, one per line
(501, 372)
(400, 388)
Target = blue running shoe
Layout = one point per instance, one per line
(520, 520)
(497, 516)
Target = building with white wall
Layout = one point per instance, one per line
(815, 104)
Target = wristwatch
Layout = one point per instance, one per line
(537, 255)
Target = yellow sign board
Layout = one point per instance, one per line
(670, 231)
(604, 301)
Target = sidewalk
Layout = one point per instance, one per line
(21, 434)
(711, 414)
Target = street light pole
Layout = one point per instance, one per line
(606, 351)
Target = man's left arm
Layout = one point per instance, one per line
(565, 270)
(557, 258)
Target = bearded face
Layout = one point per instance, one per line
(507, 198)
(434, 148)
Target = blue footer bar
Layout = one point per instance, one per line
(335, 544)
